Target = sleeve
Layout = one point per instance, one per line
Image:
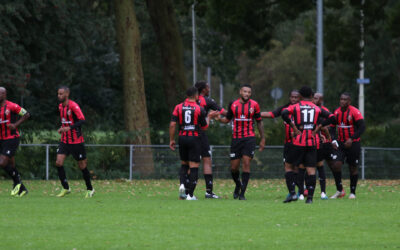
(174, 117)
(15, 108)
(286, 112)
(257, 112)
(360, 128)
(78, 112)
(277, 112)
(357, 115)
(202, 119)
(211, 104)
(229, 115)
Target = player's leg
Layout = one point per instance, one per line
(300, 180)
(247, 155)
(321, 155)
(353, 160)
(194, 162)
(62, 152)
(235, 157)
(336, 167)
(207, 166)
(184, 171)
(310, 161)
(79, 154)
(8, 150)
(294, 157)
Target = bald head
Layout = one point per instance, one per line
(318, 99)
(3, 94)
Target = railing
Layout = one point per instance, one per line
(128, 161)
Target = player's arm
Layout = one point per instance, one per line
(285, 116)
(202, 119)
(267, 114)
(214, 106)
(273, 114)
(172, 128)
(24, 116)
(77, 124)
(359, 128)
(260, 126)
(229, 115)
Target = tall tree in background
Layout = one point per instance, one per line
(169, 39)
(135, 110)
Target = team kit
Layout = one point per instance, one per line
(312, 135)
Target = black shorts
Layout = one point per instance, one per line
(242, 146)
(189, 148)
(76, 150)
(302, 155)
(286, 148)
(351, 155)
(325, 152)
(205, 145)
(9, 147)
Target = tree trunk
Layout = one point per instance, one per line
(170, 42)
(135, 110)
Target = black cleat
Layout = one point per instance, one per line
(242, 198)
(290, 198)
(236, 192)
(309, 201)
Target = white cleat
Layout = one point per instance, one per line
(191, 198)
(338, 194)
(324, 196)
(301, 197)
(352, 196)
(182, 194)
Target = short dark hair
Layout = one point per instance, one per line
(192, 91)
(245, 85)
(347, 94)
(200, 85)
(64, 88)
(306, 92)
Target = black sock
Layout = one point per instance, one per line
(187, 184)
(311, 181)
(62, 177)
(322, 178)
(236, 179)
(353, 183)
(245, 181)
(183, 173)
(14, 174)
(86, 177)
(290, 182)
(338, 181)
(209, 183)
(300, 180)
(193, 177)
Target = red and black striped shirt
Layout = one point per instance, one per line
(190, 117)
(8, 114)
(243, 115)
(345, 122)
(305, 115)
(70, 115)
(288, 130)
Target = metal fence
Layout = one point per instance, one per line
(114, 161)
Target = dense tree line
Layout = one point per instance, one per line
(47, 43)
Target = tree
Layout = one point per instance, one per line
(170, 42)
(135, 110)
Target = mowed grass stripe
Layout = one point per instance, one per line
(147, 214)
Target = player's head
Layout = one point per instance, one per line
(63, 93)
(294, 96)
(192, 93)
(3, 94)
(203, 87)
(345, 100)
(318, 99)
(306, 92)
(245, 92)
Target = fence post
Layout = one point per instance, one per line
(130, 161)
(47, 161)
(363, 163)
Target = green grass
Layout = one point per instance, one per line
(147, 214)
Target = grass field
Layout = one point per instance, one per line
(146, 214)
